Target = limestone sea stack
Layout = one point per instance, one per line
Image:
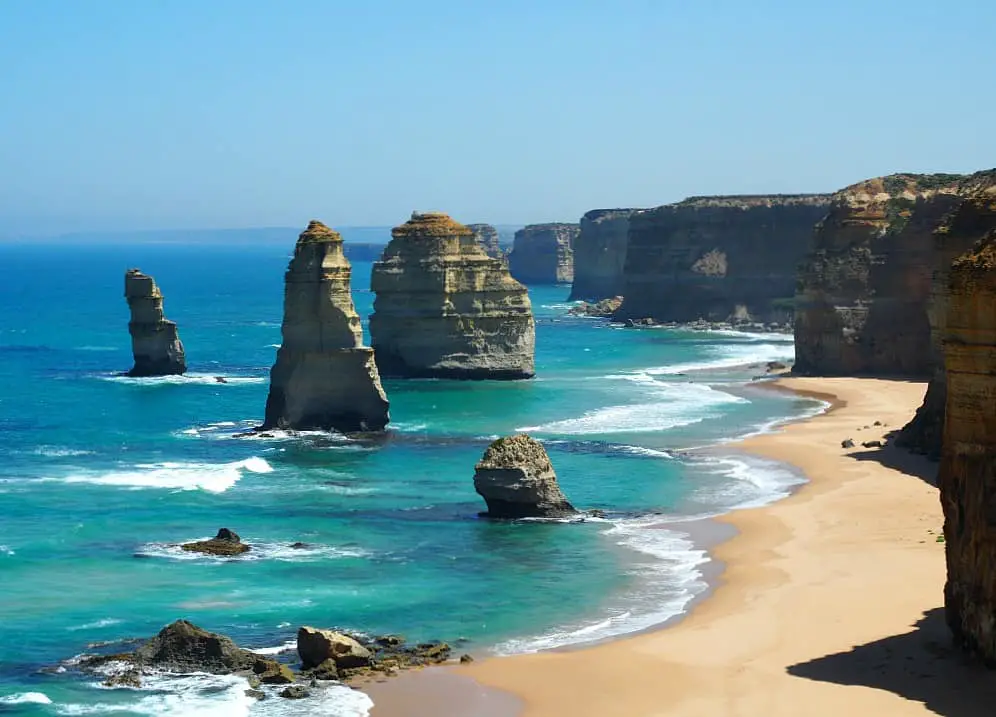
(487, 236)
(155, 342)
(730, 258)
(517, 480)
(967, 477)
(600, 254)
(544, 253)
(861, 306)
(445, 309)
(324, 378)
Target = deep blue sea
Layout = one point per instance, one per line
(101, 476)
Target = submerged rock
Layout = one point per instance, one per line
(324, 378)
(226, 542)
(155, 342)
(517, 480)
(315, 646)
(544, 253)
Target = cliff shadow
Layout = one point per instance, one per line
(921, 665)
(892, 456)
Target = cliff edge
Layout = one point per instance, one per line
(600, 254)
(544, 253)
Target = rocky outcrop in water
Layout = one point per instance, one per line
(487, 236)
(517, 480)
(225, 543)
(604, 308)
(718, 258)
(324, 378)
(544, 253)
(600, 254)
(445, 309)
(861, 307)
(155, 342)
(315, 646)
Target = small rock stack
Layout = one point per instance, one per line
(517, 480)
(155, 342)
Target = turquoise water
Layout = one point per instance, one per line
(101, 476)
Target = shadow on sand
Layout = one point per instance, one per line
(900, 459)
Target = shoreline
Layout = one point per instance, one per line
(859, 508)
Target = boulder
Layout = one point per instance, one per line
(155, 342)
(226, 542)
(296, 692)
(184, 647)
(603, 308)
(517, 480)
(847, 443)
(314, 646)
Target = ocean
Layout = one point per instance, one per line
(101, 476)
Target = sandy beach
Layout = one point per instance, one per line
(830, 602)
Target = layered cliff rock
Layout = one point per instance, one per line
(972, 217)
(600, 254)
(861, 306)
(544, 253)
(324, 378)
(718, 257)
(517, 480)
(445, 309)
(487, 236)
(155, 342)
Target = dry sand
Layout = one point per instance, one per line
(830, 604)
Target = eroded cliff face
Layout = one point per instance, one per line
(324, 378)
(861, 305)
(600, 254)
(487, 236)
(155, 342)
(718, 258)
(445, 309)
(544, 254)
(967, 477)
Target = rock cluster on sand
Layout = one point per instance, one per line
(517, 480)
(226, 542)
(544, 253)
(324, 378)
(487, 237)
(600, 254)
(445, 309)
(155, 342)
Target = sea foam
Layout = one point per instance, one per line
(212, 477)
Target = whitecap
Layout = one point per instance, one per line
(60, 452)
(104, 622)
(282, 552)
(212, 477)
(187, 379)
(729, 356)
(26, 698)
(273, 346)
(4, 550)
(289, 646)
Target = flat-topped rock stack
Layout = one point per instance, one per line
(324, 378)
(155, 342)
(544, 253)
(487, 236)
(445, 309)
(600, 254)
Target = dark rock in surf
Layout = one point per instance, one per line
(225, 543)
(517, 480)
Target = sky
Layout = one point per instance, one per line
(162, 114)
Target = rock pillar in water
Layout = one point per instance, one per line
(517, 480)
(445, 309)
(544, 253)
(155, 342)
(324, 378)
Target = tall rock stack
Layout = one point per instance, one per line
(718, 258)
(324, 378)
(445, 309)
(544, 253)
(861, 306)
(155, 342)
(600, 254)
(487, 236)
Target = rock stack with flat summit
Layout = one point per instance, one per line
(155, 342)
(324, 378)
(517, 480)
(544, 253)
(445, 309)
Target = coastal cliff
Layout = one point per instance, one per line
(544, 254)
(967, 477)
(155, 342)
(487, 236)
(718, 258)
(445, 309)
(600, 254)
(324, 378)
(863, 291)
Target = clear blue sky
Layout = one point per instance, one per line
(227, 113)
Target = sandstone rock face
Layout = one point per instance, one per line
(544, 253)
(315, 646)
(600, 254)
(967, 477)
(487, 236)
(155, 342)
(445, 309)
(324, 378)
(718, 258)
(517, 480)
(973, 216)
(861, 306)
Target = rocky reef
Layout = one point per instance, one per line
(861, 305)
(718, 258)
(324, 378)
(517, 480)
(544, 253)
(445, 309)
(225, 543)
(487, 236)
(155, 342)
(600, 254)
